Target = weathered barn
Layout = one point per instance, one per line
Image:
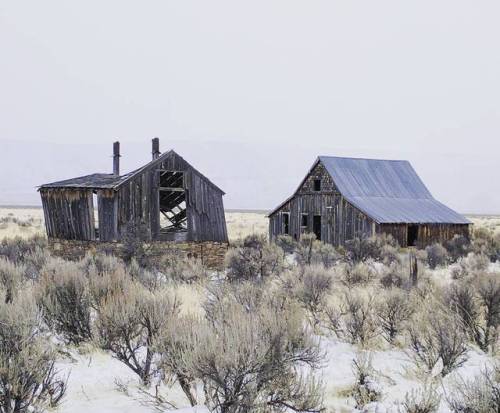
(345, 198)
(167, 198)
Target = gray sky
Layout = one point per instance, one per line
(253, 91)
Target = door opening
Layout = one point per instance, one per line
(286, 223)
(412, 236)
(317, 226)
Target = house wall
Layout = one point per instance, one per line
(340, 221)
(68, 213)
(138, 200)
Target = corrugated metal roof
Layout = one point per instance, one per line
(388, 191)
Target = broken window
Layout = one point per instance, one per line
(172, 193)
(317, 185)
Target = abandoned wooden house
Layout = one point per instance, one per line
(345, 198)
(168, 198)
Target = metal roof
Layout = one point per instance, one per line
(388, 191)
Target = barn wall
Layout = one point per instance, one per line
(427, 233)
(68, 213)
(340, 221)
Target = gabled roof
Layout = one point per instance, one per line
(388, 191)
(111, 181)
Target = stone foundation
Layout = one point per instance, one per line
(210, 253)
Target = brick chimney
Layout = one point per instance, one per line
(116, 158)
(155, 148)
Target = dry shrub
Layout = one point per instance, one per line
(479, 395)
(489, 295)
(64, 298)
(375, 248)
(310, 287)
(176, 267)
(438, 337)
(11, 278)
(470, 266)
(459, 246)
(17, 249)
(286, 243)
(255, 360)
(486, 242)
(392, 276)
(28, 378)
(98, 264)
(394, 310)
(354, 320)
(254, 259)
(357, 273)
(366, 390)
(310, 251)
(128, 323)
(436, 255)
(462, 299)
(423, 400)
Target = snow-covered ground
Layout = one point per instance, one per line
(99, 383)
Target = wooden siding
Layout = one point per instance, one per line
(68, 213)
(427, 233)
(340, 221)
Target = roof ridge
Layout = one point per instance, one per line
(362, 159)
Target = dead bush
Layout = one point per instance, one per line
(11, 278)
(128, 323)
(254, 259)
(470, 266)
(134, 237)
(176, 267)
(98, 264)
(256, 361)
(64, 298)
(479, 395)
(366, 390)
(355, 319)
(16, 249)
(28, 378)
(375, 248)
(310, 288)
(423, 400)
(286, 243)
(489, 295)
(438, 337)
(436, 255)
(462, 300)
(392, 276)
(459, 246)
(486, 242)
(357, 273)
(394, 310)
(107, 284)
(176, 342)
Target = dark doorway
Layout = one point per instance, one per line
(286, 224)
(412, 235)
(317, 226)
